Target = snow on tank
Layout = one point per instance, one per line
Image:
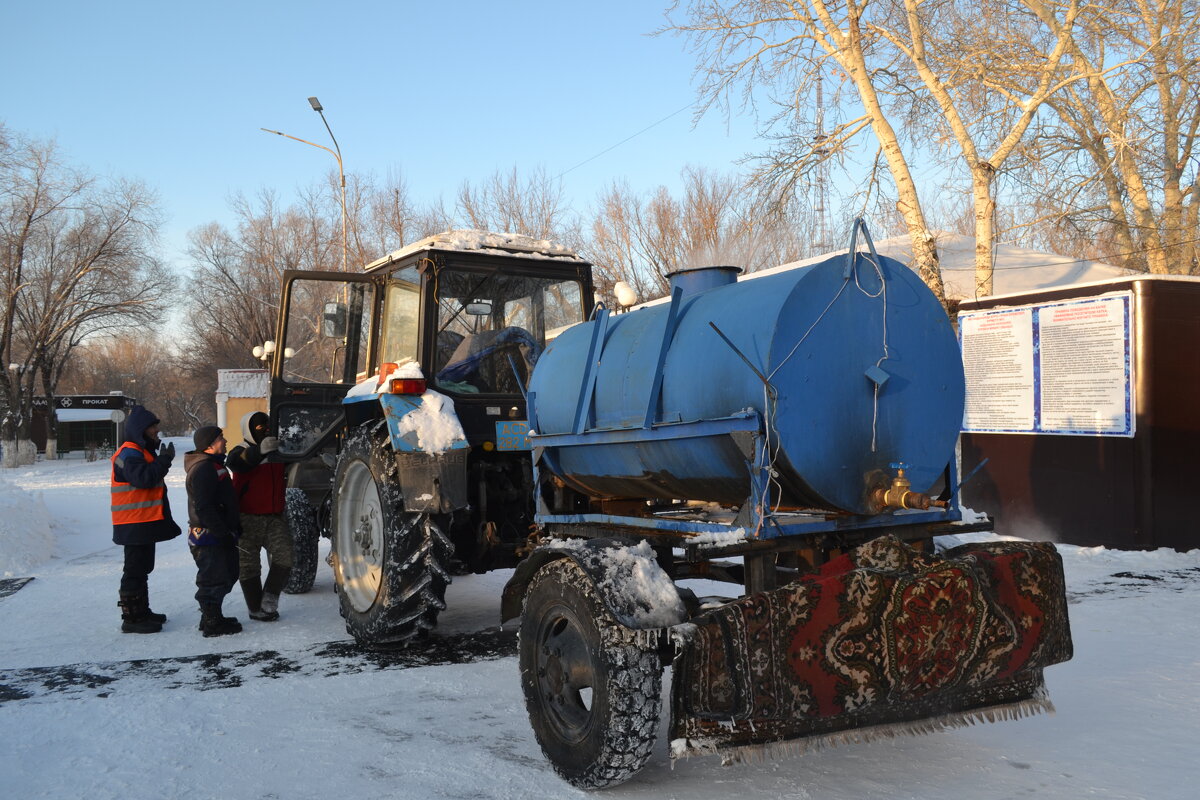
(501, 244)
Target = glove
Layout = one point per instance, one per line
(269, 444)
(167, 454)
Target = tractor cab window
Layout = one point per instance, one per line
(493, 326)
(401, 318)
(328, 329)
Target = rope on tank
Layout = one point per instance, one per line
(769, 394)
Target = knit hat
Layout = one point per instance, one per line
(204, 436)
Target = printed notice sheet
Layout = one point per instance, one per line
(1063, 368)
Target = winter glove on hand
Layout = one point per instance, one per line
(269, 444)
(167, 454)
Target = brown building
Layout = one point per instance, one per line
(1088, 421)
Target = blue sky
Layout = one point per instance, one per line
(175, 94)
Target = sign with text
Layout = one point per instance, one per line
(1064, 367)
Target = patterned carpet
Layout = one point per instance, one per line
(882, 641)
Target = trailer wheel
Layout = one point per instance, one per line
(306, 537)
(390, 565)
(593, 692)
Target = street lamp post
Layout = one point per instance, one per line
(337, 154)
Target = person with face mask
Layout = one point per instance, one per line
(261, 485)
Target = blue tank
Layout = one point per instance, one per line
(848, 366)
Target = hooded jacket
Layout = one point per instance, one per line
(212, 504)
(260, 484)
(137, 480)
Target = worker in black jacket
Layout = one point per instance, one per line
(213, 528)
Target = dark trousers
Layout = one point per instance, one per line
(216, 572)
(139, 563)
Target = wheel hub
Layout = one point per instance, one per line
(566, 673)
(359, 537)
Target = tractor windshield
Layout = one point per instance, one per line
(493, 326)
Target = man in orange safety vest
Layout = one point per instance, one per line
(141, 515)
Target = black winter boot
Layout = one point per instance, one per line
(253, 592)
(159, 618)
(277, 578)
(213, 624)
(135, 615)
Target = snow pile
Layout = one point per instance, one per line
(633, 578)
(433, 423)
(26, 538)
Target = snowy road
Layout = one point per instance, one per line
(293, 710)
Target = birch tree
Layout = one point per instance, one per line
(921, 76)
(1121, 158)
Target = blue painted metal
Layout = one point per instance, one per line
(685, 527)
(815, 333)
(598, 326)
(664, 347)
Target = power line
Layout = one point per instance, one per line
(623, 141)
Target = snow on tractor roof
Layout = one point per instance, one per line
(507, 244)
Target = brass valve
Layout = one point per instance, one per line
(898, 494)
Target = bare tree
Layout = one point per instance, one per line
(509, 203)
(716, 221)
(78, 260)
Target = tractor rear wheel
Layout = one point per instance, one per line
(389, 564)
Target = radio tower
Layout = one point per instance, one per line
(821, 176)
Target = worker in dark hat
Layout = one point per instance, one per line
(213, 528)
(141, 515)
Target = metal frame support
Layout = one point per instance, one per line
(668, 337)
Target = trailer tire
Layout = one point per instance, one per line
(302, 523)
(389, 565)
(592, 689)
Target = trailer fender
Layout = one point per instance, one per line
(634, 588)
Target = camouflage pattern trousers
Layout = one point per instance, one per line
(263, 532)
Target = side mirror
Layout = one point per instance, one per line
(333, 321)
(479, 308)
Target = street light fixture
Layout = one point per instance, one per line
(264, 351)
(336, 153)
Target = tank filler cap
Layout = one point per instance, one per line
(700, 279)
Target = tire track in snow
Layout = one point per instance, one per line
(235, 669)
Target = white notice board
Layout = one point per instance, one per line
(1064, 368)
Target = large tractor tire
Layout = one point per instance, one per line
(389, 565)
(306, 539)
(593, 692)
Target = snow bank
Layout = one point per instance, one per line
(26, 538)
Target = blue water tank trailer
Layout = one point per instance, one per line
(848, 370)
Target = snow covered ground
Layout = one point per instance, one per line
(292, 710)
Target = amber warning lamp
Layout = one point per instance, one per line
(407, 386)
(399, 385)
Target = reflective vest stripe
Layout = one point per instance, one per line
(146, 504)
(131, 504)
(125, 487)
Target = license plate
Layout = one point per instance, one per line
(512, 435)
